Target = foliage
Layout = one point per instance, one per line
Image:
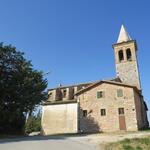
(130, 144)
(33, 123)
(21, 89)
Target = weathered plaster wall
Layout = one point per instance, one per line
(60, 118)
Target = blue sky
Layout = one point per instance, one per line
(73, 38)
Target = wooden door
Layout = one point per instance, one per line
(122, 122)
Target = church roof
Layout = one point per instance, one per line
(105, 81)
(116, 79)
(123, 35)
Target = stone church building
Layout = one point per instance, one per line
(100, 106)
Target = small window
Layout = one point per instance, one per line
(100, 94)
(64, 93)
(121, 56)
(129, 55)
(84, 113)
(121, 111)
(119, 93)
(72, 94)
(103, 112)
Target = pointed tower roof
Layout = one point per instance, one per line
(123, 35)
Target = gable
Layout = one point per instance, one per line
(94, 85)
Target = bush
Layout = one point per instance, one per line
(33, 124)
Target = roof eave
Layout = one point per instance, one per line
(109, 82)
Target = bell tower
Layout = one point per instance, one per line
(126, 59)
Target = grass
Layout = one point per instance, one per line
(130, 144)
(147, 129)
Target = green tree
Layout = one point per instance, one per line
(33, 123)
(21, 89)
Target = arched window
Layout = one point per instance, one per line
(121, 57)
(129, 55)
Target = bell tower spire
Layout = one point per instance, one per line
(123, 35)
(126, 59)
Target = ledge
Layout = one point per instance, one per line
(127, 42)
(59, 102)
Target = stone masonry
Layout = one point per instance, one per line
(94, 122)
(127, 70)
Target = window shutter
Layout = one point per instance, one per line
(100, 94)
(119, 93)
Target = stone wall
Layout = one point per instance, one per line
(127, 70)
(140, 111)
(94, 122)
(128, 73)
(57, 94)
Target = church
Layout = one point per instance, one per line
(109, 105)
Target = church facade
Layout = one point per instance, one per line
(100, 106)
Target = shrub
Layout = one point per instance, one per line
(33, 124)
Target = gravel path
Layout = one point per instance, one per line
(46, 143)
(66, 142)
